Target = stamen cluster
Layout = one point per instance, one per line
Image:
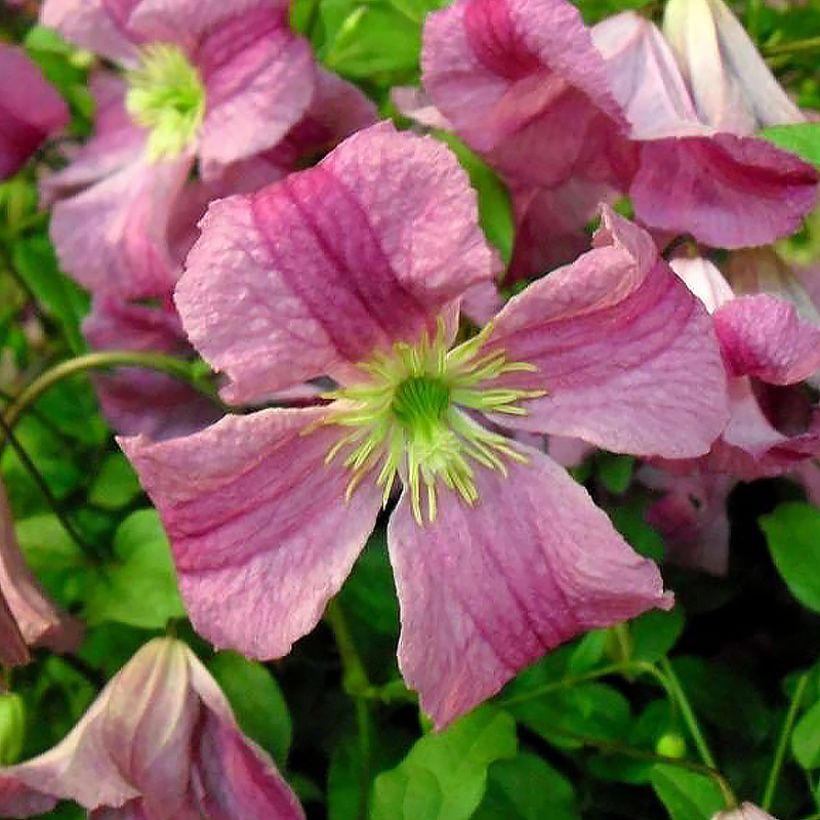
(408, 416)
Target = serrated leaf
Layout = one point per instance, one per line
(793, 535)
(444, 775)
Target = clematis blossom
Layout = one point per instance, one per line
(30, 109)
(206, 86)
(570, 115)
(159, 742)
(747, 811)
(36, 618)
(354, 270)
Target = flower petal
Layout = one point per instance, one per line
(628, 356)
(484, 591)
(764, 337)
(30, 109)
(727, 191)
(312, 274)
(261, 534)
(704, 280)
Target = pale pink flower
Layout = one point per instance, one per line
(30, 109)
(354, 270)
(159, 742)
(748, 811)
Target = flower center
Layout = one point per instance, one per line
(408, 415)
(166, 95)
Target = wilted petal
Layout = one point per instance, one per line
(763, 337)
(628, 356)
(98, 25)
(261, 534)
(731, 85)
(30, 109)
(727, 191)
(313, 273)
(484, 591)
(40, 621)
(127, 252)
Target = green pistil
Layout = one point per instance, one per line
(408, 415)
(166, 96)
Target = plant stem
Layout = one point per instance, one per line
(780, 751)
(794, 47)
(357, 684)
(89, 549)
(101, 360)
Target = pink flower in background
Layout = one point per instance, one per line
(748, 811)
(38, 619)
(216, 84)
(570, 115)
(354, 269)
(30, 109)
(160, 741)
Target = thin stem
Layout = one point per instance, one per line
(89, 549)
(780, 751)
(357, 684)
(687, 713)
(794, 47)
(101, 360)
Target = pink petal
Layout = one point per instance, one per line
(763, 337)
(96, 25)
(521, 82)
(127, 254)
(414, 103)
(313, 273)
(39, 620)
(704, 280)
(628, 356)
(727, 191)
(13, 649)
(261, 534)
(259, 79)
(748, 811)
(732, 87)
(484, 591)
(30, 109)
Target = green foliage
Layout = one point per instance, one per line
(445, 775)
(793, 534)
(686, 795)
(140, 588)
(257, 702)
(802, 139)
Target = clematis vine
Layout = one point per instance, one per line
(159, 742)
(353, 270)
(570, 115)
(192, 72)
(30, 109)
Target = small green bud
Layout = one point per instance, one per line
(671, 745)
(12, 728)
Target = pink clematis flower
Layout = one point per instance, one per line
(159, 742)
(37, 619)
(354, 269)
(207, 83)
(30, 109)
(569, 115)
(748, 811)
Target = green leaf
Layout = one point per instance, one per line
(655, 633)
(806, 739)
(793, 534)
(527, 788)
(141, 590)
(686, 795)
(802, 139)
(615, 471)
(494, 203)
(256, 700)
(116, 484)
(59, 297)
(628, 519)
(444, 775)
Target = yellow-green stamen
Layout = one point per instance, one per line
(408, 414)
(166, 95)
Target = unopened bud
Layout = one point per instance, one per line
(671, 745)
